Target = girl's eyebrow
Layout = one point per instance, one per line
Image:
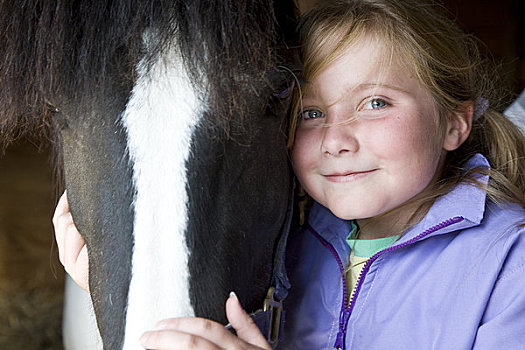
(313, 93)
(369, 86)
(366, 86)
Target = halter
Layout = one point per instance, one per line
(270, 319)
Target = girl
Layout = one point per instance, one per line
(419, 188)
(415, 238)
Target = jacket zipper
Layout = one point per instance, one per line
(345, 313)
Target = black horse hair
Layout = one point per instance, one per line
(62, 51)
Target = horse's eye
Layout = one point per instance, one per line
(285, 91)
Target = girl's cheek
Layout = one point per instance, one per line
(307, 136)
(299, 149)
(306, 148)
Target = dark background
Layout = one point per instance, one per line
(31, 278)
(501, 26)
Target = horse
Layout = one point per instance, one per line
(168, 120)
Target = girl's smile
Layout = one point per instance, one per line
(348, 176)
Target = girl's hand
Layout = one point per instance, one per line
(203, 334)
(72, 249)
(171, 334)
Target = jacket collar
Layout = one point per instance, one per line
(330, 227)
(463, 200)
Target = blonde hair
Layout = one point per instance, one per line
(446, 61)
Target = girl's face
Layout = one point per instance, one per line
(367, 139)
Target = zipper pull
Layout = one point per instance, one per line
(343, 322)
(340, 341)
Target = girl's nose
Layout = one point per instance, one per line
(339, 139)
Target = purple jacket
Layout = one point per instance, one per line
(456, 280)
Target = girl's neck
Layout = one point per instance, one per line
(392, 223)
(396, 221)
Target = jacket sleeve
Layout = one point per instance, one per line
(503, 323)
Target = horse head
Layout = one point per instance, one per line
(170, 121)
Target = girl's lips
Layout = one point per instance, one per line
(349, 176)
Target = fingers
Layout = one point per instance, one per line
(199, 333)
(243, 324)
(188, 333)
(171, 340)
(61, 220)
(79, 268)
(72, 249)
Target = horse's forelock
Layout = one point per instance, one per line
(55, 52)
(234, 44)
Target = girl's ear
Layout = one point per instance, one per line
(459, 124)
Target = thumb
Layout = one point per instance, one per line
(243, 324)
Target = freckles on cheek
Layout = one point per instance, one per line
(302, 159)
(301, 147)
(294, 155)
(297, 163)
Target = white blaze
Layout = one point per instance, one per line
(159, 119)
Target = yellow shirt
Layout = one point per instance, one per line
(355, 264)
(361, 251)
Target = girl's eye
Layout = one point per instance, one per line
(311, 114)
(375, 103)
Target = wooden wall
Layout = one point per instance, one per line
(31, 278)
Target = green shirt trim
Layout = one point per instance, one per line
(365, 248)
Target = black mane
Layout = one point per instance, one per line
(61, 51)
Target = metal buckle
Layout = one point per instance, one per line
(274, 307)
